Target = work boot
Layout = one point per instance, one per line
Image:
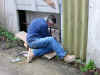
(30, 56)
(69, 58)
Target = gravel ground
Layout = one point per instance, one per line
(39, 66)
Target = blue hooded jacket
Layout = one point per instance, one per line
(37, 29)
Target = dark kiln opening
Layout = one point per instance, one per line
(22, 20)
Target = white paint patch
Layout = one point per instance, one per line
(93, 47)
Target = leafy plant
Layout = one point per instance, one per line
(8, 35)
(57, 57)
(83, 69)
(89, 66)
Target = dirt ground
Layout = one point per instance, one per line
(39, 66)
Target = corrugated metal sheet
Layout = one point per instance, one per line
(75, 25)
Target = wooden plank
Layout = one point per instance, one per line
(50, 55)
(21, 35)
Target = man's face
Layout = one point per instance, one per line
(50, 24)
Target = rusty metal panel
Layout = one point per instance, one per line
(75, 25)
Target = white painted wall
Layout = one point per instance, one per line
(93, 47)
(11, 16)
(8, 15)
(26, 5)
(2, 13)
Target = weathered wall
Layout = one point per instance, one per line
(8, 15)
(36, 5)
(2, 13)
(93, 47)
(26, 5)
(11, 16)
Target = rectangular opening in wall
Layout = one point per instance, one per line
(22, 20)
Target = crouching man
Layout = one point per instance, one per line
(41, 41)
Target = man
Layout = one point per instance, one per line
(41, 41)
